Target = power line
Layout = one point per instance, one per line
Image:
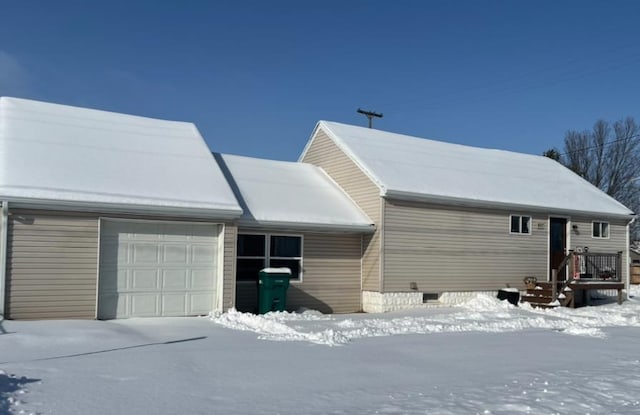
(604, 145)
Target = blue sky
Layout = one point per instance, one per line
(256, 76)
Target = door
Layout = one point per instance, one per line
(150, 269)
(557, 244)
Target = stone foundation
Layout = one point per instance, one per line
(375, 302)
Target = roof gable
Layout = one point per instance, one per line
(414, 168)
(290, 194)
(52, 153)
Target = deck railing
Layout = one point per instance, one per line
(591, 266)
(586, 266)
(598, 266)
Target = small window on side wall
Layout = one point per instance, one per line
(520, 224)
(600, 230)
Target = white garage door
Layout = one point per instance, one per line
(156, 269)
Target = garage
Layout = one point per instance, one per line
(153, 269)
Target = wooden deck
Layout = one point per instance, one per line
(581, 289)
(572, 294)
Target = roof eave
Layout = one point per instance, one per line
(307, 226)
(230, 213)
(459, 201)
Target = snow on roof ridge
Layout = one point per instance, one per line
(432, 140)
(464, 172)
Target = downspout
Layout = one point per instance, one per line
(4, 227)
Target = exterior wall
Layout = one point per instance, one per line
(52, 265)
(229, 267)
(454, 249)
(323, 152)
(617, 241)
(331, 274)
(331, 279)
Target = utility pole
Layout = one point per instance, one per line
(370, 115)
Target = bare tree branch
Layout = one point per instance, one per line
(608, 156)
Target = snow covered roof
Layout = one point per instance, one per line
(406, 167)
(280, 193)
(77, 157)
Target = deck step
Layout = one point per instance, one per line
(542, 295)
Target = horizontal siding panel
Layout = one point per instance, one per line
(52, 265)
(459, 249)
(25, 274)
(323, 152)
(51, 315)
(61, 299)
(29, 289)
(60, 240)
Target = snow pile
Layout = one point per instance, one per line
(272, 326)
(482, 313)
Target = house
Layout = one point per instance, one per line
(453, 219)
(110, 215)
(107, 215)
(296, 216)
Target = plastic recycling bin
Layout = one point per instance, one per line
(272, 289)
(512, 295)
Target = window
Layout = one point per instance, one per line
(256, 252)
(520, 224)
(600, 230)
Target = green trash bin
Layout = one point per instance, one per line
(272, 289)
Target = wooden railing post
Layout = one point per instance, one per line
(554, 285)
(619, 266)
(572, 266)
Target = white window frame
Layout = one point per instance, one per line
(520, 224)
(601, 222)
(267, 253)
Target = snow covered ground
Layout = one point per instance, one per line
(486, 357)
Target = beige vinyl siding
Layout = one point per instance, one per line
(617, 241)
(52, 265)
(459, 249)
(229, 266)
(331, 279)
(331, 275)
(323, 152)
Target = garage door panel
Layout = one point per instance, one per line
(176, 279)
(144, 253)
(144, 280)
(144, 305)
(175, 254)
(174, 304)
(157, 269)
(203, 254)
(201, 279)
(200, 303)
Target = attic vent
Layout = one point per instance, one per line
(427, 297)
